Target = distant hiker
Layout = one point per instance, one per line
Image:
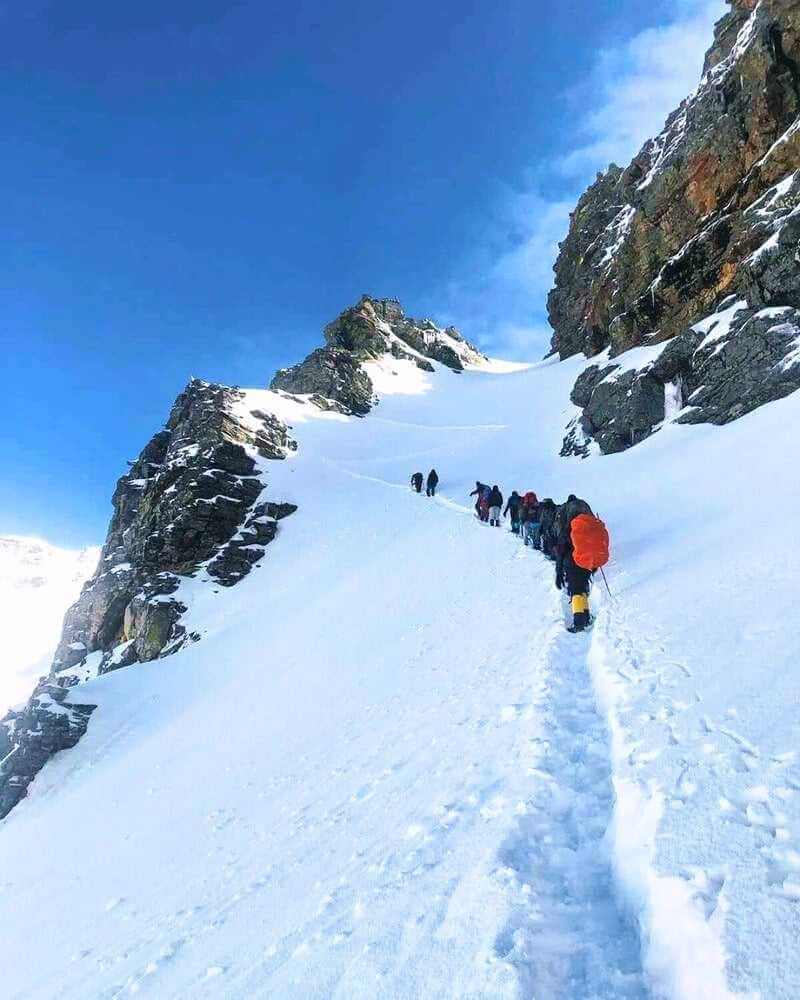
(513, 509)
(495, 506)
(481, 494)
(416, 482)
(582, 549)
(529, 520)
(432, 483)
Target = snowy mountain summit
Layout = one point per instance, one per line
(334, 375)
(192, 506)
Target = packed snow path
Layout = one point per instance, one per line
(567, 936)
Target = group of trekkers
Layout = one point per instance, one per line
(569, 534)
(430, 483)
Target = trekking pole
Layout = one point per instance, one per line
(606, 583)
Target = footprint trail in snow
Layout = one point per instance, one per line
(567, 937)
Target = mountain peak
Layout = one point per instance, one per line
(333, 377)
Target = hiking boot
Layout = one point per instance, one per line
(581, 620)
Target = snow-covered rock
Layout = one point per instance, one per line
(336, 376)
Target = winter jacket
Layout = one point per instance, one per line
(530, 514)
(547, 516)
(514, 504)
(433, 478)
(495, 498)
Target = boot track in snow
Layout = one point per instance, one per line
(567, 936)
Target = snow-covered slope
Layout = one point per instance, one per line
(38, 582)
(387, 771)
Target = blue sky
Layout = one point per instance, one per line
(194, 187)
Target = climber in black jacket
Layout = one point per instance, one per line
(495, 506)
(513, 508)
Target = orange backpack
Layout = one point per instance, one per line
(590, 542)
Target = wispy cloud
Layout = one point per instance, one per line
(500, 296)
(637, 85)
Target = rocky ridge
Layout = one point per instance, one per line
(191, 501)
(693, 246)
(333, 377)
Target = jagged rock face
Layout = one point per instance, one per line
(707, 210)
(191, 490)
(723, 367)
(334, 379)
(192, 497)
(31, 736)
(332, 375)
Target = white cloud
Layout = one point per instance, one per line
(639, 83)
(500, 298)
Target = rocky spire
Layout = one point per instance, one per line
(333, 376)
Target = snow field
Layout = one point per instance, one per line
(386, 771)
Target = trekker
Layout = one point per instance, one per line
(582, 549)
(432, 483)
(531, 526)
(416, 482)
(484, 503)
(495, 506)
(481, 490)
(513, 508)
(547, 517)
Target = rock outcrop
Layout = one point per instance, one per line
(191, 503)
(332, 377)
(191, 500)
(705, 218)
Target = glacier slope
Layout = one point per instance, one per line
(386, 772)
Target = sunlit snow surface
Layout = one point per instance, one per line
(38, 582)
(387, 771)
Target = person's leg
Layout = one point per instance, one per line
(578, 581)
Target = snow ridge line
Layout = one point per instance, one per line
(682, 952)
